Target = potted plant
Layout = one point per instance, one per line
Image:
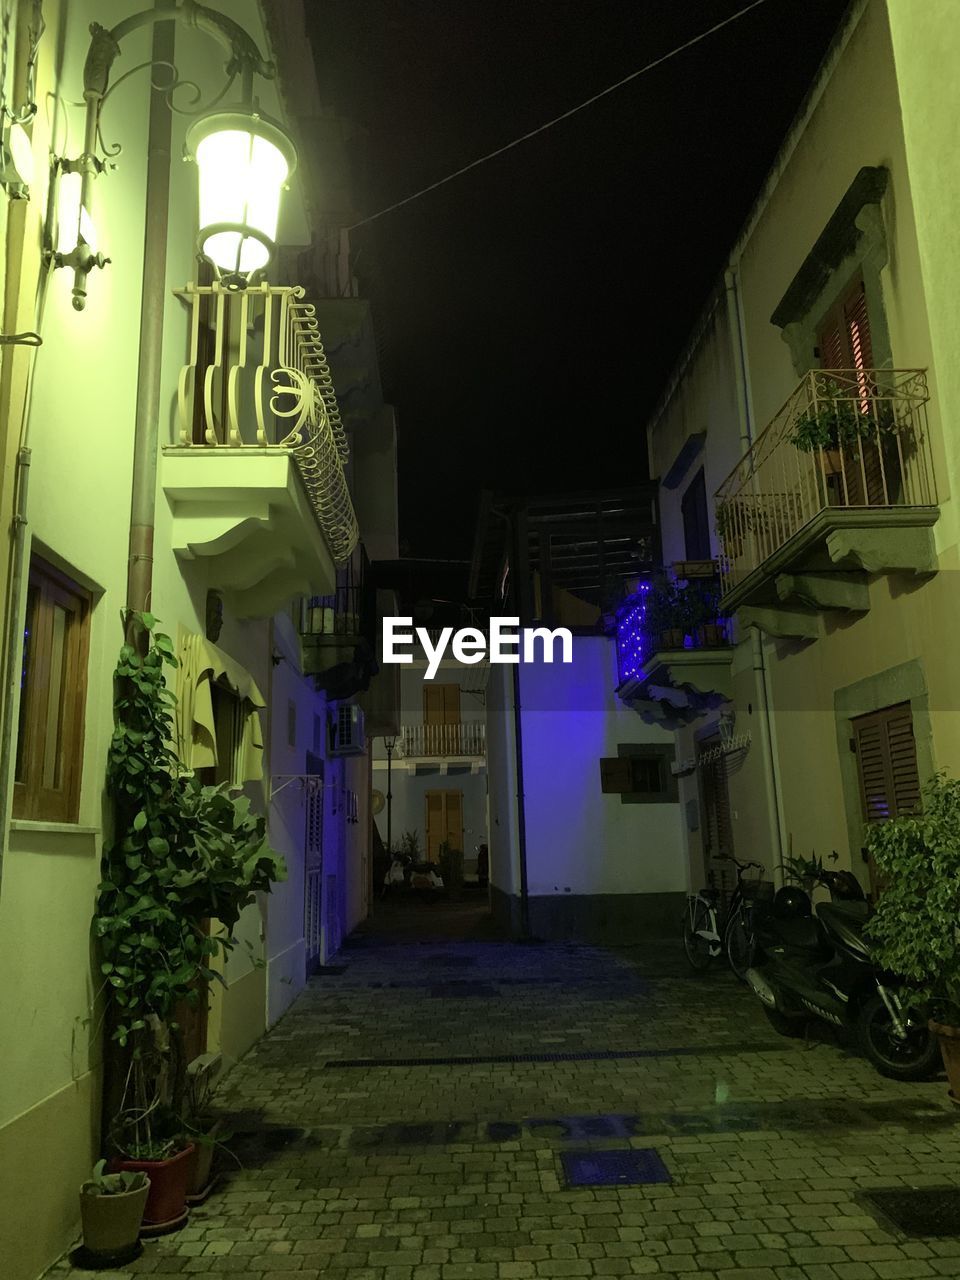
(183, 854)
(206, 1130)
(914, 929)
(451, 869)
(734, 520)
(111, 1210)
(832, 423)
(663, 617)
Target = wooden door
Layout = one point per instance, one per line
(886, 769)
(444, 822)
(441, 719)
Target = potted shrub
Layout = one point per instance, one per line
(111, 1210)
(734, 520)
(183, 854)
(914, 930)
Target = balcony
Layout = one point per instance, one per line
(256, 480)
(673, 650)
(464, 741)
(840, 485)
(337, 631)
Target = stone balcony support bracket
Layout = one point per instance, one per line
(845, 591)
(895, 548)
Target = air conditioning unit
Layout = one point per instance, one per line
(346, 731)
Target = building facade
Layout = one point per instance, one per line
(252, 486)
(807, 446)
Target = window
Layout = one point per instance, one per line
(886, 763)
(229, 714)
(844, 340)
(696, 522)
(53, 684)
(639, 774)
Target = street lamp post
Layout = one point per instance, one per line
(390, 743)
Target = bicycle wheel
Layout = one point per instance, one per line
(739, 944)
(697, 930)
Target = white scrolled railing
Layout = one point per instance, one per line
(467, 739)
(257, 377)
(846, 438)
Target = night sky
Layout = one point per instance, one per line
(532, 309)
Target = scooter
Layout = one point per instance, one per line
(821, 966)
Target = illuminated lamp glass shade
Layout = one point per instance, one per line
(243, 162)
(74, 223)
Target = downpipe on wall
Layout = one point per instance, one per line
(757, 657)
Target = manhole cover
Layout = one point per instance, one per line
(919, 1211)
(613, 1168)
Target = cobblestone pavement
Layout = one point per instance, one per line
(407, 1118)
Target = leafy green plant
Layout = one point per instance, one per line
(834, 421)
(410, 845)
(915, 930)
(112, 1184)
(183, 854)
(805, 872)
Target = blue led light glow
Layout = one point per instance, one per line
(631, 637)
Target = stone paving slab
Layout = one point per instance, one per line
(451, 1171)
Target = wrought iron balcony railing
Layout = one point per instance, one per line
(257, 378)
(466, 740)
(846, 439)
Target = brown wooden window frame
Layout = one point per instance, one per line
(35, 799)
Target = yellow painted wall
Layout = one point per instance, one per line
(81, 434)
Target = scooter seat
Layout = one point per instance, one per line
(801, 933)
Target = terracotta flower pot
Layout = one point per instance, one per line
(672, 639)
(949, 1038)
(167, 1201)
(111, 1224)
(711, 635)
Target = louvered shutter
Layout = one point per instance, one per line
(887, 763)
(716, 820)
(831, 343)
(857, 325)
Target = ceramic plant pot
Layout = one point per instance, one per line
(111, 1224)
(167, 1202)
(949, 1038)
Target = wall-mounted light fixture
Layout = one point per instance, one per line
(243, 159)
(16, 149)
(16, 160)
(243, 162)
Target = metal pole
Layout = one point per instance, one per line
(389, 797)
(153, 293)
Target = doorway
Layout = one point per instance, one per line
(444, 821)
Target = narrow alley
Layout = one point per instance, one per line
(419, 1111)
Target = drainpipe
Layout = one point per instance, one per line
(757, 656)
(521, 809)
(143, 497)
(12, 650)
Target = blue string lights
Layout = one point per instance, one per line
(631, 634)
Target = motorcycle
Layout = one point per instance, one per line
(820, 965)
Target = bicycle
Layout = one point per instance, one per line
(705, 934)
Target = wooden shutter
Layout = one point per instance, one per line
(616, 775)
(716, 823)
(696, 521)
(887, 763)
(844, 340)
(435, 832)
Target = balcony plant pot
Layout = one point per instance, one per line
(166, 1207)
(949, 1038)
(111, 1225)
(672, 638)
(711, 635)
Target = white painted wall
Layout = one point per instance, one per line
(579, 840)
